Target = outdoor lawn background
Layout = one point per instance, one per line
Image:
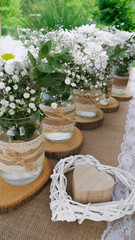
(67, 13)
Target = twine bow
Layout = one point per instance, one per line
(26, 160)
(86, 99)
(70, 117)
(58, 115)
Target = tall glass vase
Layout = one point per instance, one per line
(21, 150)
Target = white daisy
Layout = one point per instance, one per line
(11, 52)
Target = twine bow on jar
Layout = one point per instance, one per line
(60, 114)
(28, 160)
(86, 98)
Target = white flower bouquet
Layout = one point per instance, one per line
(22, 76)
(19, 97)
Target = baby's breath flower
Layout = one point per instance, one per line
(67, 81)
(26, 95)
(2, 85)
(11, 97)
(7, 89)
(31, 105)
(15, 87)
(1, 74)
(32, 91)
(11, 112)
(54, 105)
(12, 105)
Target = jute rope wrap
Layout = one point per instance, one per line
(85, 102)
(65, 209)
(21, 156)
(61, 118)
(120, 81)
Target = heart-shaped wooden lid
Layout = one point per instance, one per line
(91, 185)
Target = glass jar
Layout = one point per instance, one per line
(21, 150)
(60, 121)
(120, 79)
(86, 103)
(106, 92)
(119, 85)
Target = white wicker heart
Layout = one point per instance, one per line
(65, 209)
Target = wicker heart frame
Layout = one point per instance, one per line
(65, 209)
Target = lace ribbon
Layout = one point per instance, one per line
(123, 229)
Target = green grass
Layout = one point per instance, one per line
(68, 13)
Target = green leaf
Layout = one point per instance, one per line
(49, 45)
(109, 53)
(47, 82)
(30, 75)
(66, 57)
(45, 68)
(42, 116)
(58, 75)
(64, 51)
(45, 49)
(65, 96)
(55, 62)
(32, 59)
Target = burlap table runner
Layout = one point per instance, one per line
(33, 220)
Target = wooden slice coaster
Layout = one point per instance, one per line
(112, 106)
(64, 149)
(123, 97)
(90, 123)
(12, 197)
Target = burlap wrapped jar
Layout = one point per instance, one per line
(120, 78)
(86, 103)
(21, 150)
(59, 122)
(119, 85)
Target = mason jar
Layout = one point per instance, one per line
(120, 79)
(21, 150)
(60, 120)
(119, 85)
(86, 103)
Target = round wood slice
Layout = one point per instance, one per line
(91, 185)
(64, 149)
(123, 97)
(112, 106)
(90, 123)
(12, 197)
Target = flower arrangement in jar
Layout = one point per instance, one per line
(22, 76)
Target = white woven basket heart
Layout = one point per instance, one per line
(65, 209)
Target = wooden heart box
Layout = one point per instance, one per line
(91, 185)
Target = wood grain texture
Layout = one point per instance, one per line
(123, 97)
(60, 150)
(12, 197)
(112, 106)
(91, 185)
(90, 123)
